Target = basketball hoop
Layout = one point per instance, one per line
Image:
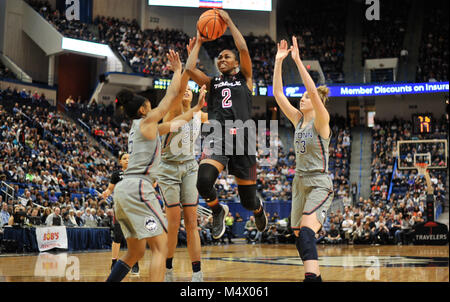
(422, 168)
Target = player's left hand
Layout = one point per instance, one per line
(201, 98)
(224, 15)
(174, 60)
(295, 52)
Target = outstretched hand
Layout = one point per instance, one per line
(295, 53)
(283, 50)
(201, 98)
(191, 45)
(174, 60)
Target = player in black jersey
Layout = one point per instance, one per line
(230, 99)
(118, 235)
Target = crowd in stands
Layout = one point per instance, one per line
(98, 121)
(433, 52)
(403, 189)
(144, 50)
(384, 38)
(47, 160)
(385, 172)
(320, 30)
(75, 29)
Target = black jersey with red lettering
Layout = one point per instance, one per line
(229, 99)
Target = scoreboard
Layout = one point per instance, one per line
(422, 123)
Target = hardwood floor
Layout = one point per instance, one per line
(246, 263)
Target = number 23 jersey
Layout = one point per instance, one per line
(311, 150)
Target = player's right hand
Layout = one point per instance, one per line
(201, 39)
(191, 45)
(104, 195)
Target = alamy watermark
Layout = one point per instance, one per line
(373, 11)
(229, 138)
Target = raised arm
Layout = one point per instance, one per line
(175, 108)
(197, 75)
(292, 113)
(182, 119)
(148, 125)
(322, 119)
(241, 45)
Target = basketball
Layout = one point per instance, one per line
(211, 25)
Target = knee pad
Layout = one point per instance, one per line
(306, 244)
(247, 194)
(206, 178)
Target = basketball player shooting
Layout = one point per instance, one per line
(230, 98)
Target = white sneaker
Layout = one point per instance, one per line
(197, 277)
(168, 277)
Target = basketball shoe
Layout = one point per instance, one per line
(218, 227)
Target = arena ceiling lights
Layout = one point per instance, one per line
(86, 47)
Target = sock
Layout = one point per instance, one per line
(118, 272)
(311, 277)
(196, 266)
(169, 263)
(215, 206)
(114, 260)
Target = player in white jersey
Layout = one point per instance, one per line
(312, 188)
(177, 178)
(136, 206)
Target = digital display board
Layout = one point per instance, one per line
(422, 123)
(370, 89)
(337, 90)
(256, 5)
(163, 84)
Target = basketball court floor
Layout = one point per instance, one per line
(242, 262)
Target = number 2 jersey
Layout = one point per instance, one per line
(311, 150)
(230, 99)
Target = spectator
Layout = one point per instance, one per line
(229, 220)
(333, 236)
(4, 214)
(54, 218)
(251, 233)
(238, 217)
